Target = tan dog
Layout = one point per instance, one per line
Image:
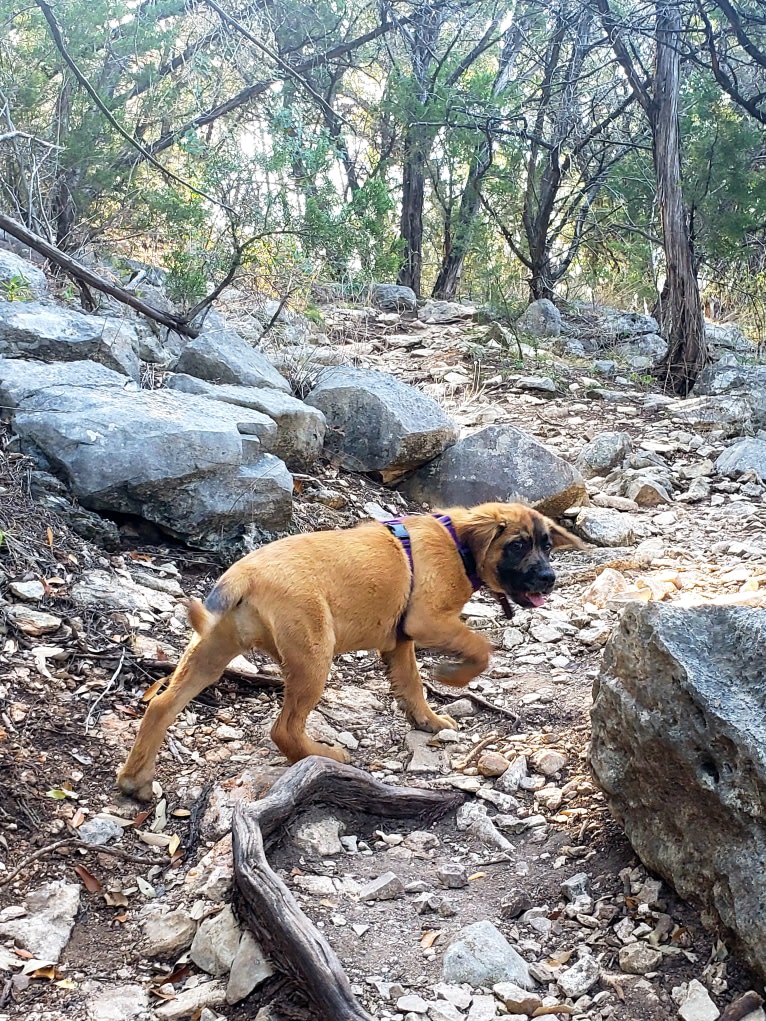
(307, 598)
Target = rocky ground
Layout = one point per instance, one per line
(530, 879)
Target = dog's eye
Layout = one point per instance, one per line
(546, 545)
(516, 544)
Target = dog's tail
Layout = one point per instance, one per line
(226, 595)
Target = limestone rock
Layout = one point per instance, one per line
(638, 958)
(47, 925)
(375, 423)
(167, 933)
(393, 298)
(678, 747)
(115, 1003)
(248, 969)
(540, 318)
(29, 329)
(220, 355)
(436, 311)
(216, 943)
(604, 452)
(582, 976)
(605, 527)
(482, 956)
(300, 429)
(499, 463)
(697, 1004)
(730, 414)
(20, 280)
(742, 456)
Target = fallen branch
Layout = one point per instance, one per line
(288, 937)
(232, 673)
(116, 852)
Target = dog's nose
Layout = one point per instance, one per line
(545, 577)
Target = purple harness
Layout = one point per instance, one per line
(397, 528)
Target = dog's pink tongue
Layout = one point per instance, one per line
(536, 598)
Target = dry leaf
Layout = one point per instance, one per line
(77, 819)
(91, 884)
(181, 813)
(476, 875)
(154, 839)
(429, 938)
(66, 983)
(116, 899)
(153, 689)
(175, 843)
(140, 818)
(60, 793)
(49, 532)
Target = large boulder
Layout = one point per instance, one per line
(747, 382)
(728, 414)
(540, 318)
(498, 463)
(726, 337)
(29, 329)
(377, 424)
(393, 298)
(435, 311)
(19, 279)
(743, 456)
(300, 429)
(194, 466)
(679, 747)
(220, 355)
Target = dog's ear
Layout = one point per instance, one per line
(482, 531)
(562, 539)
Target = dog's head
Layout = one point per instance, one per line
(511, 544)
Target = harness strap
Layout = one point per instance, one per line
(397, 528)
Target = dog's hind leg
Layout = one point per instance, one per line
(407, 686)
(304, 673)
(201, 665)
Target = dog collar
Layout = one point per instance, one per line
(398, 529)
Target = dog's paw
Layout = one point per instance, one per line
(134, 788)
(433, 722)
(446, 722)
(334, 751)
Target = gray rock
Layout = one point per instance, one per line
(647, 492)
(29, 329)
(319, 834)
(191, 465)
(638, 958)
(115, 1003)
(516, 999)
(697, 1004)
(605, 527)
(99, 830)
(679, 747)
(453, 875)
(537, 384)
(729, 414)
(482, 956)
(49, 920)
(604, 452)
(647, 345)
(216, 943)
(166, 933)
(220, 355)
(727, 337)
(413, 1002)
(723, 377)
(540, 318)
(515, 903)
(605, 367)
(248, 969)
(393, 298)
(386, 887)
(576, 886)
(424, 757)
(582, 976)
(499, 463)
(29, 591)
(20, 280)
(377, 424)
(191, 1002)
(627, 325)
(435, 311)
(743, 456)
(300, 428)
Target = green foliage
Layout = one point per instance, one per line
(16, 288)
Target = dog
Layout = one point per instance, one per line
(388, 586)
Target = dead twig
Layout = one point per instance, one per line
(106, 690)
(477, 700)
(116, 852)
(477, 749)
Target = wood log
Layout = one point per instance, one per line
(294, 945)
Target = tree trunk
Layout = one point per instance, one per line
(682, 311)
(416, 149)
(458, 242)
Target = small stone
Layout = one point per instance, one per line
(510, 780)
(248, 969)
(515, 903)
(228, 733)
(605, 587)
(548, 761)
(32, 622)
(582, 976)
(638, 958)
(319, 835)
(459, 709)
(386, 887)
(515, 999)
(453, 875)
(550, 798)
(46, 926)
(605, 527)
(424, 758)
(697, 1004)
(483, 1008)
(512, 637)
(412, 1002)
(492, 764)
(443, 1011)
(577, 885)
(30, 590)
(457, 995)
(168, 934)
(216, 943)
(115, 1003)
(481, 955)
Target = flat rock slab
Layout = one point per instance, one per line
(47, 925)
(499, 463)
(300, 429)
(30, 329)
(377, 424)
(679, 747)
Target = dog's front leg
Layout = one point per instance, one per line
(453, 637)
(407, 686)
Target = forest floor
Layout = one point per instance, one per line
(71, 699)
